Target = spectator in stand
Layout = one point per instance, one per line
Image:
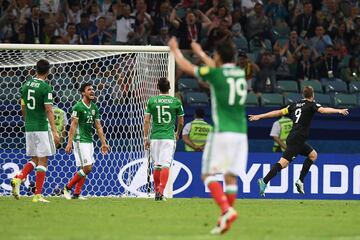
(305, 23)
(71, 37)
(276, 11)
(162, 38)
(305, 66)
(105, 7)
(9, 27)
(283, 71)
(332, 12)
(247, 6)
(258, 24)
(265, 78)
(216, 14)
(188, 28)
(327, 65)
(355, 37)
(73, 11)
(218, 35)
(295, 44)
(34, 27)
(141, 14)
(60, 24)
(238, 21)
(100, 36)
(125, 25)
(339, 32)
(83, 29)
(95, 12)
(320, 41)
(161, 18)
(352, 72)
(49, 32)
(249, 67)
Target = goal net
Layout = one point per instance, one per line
(124, 77)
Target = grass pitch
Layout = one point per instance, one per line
(185, 219)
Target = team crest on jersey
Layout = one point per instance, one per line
(93, 112)
(204, 70)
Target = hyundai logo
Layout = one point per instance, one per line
(133, 176)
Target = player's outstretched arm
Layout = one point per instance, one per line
(100, 132)
(272, 114)
(180, 126)
(146, 131)
(73, 126)
(182, 62)
(328, 110)
(50, 115)
(202, 55)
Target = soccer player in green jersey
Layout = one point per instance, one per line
(36, 108)
(163, 110)
(85, 115)
(226, 148)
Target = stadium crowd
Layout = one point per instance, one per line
(277, 39)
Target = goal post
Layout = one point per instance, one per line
(124, 78)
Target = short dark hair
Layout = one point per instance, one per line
(42, 66)
(226, 51)
(163, 85)
(199, 112)
(83, 86)
(308, 92)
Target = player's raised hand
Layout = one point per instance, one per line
(104, 149)
(254, 117)
(173, 44)
(196, 48)
(344, 112)
(68, 148)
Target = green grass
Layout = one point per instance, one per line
(185, 219)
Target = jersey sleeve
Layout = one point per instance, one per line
(179, 109)
(205, 73)
(48, 98)
(148, 107)
(76, 112)
(315, 106)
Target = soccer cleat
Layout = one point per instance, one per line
(15, 184)
(300, 186)
(262, 187)
(78, 197)
(67, 193)
(225, 222)
(39, 198)
(157, 195)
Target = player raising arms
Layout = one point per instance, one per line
(85, 115)
(301, 113)
(163, 110)
(226, 148)
(36, 108)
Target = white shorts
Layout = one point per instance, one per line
(162, 152)
(40, 144)
(84, 154)
(225, 152)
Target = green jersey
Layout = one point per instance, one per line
(86, 115)
(163, 109)
(35, 93)
(228, 96)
